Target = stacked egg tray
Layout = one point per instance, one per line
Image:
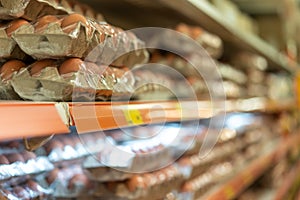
(87, 167)
(243, 74)
(50, 50)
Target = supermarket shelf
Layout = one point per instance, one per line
(209, 18)
(40, 119)
(235, 186)
(19, 119)
(259, 104)
(89, 117)
(165, 13)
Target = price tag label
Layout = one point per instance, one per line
(179, 109)
(229, 192)
(133, 117)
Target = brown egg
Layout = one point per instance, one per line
(196, 32)
(3, 160)
(183, 28)
(111, 186)
(72, 19)
(14, 157)
(42, 23)
(187, 187)
(54, 144)
(81, 179)
(52, 176)
(37, 66)
(71, 65)
(14, 25)
(27, 155)
(135, 182)
(185, 161)
(14, 144)
(9, 67)
(33, 185)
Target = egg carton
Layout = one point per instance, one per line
(8, 47)
(119, 163)
(33, 9)
(154, 185)
(14, 146)
(89, 83)
(67, 182)
(188, 39)
(76, 36)
(22, 164)
(29, 189)
(65, 150)
(6, 90)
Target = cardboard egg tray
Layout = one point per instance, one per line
(33, 9)
(8, 47)
(153, 185)
(96, 42)
(84, 85)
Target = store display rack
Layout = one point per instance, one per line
(210, 19)
(243, 179)
(42, 119)
(48, 118)
(168, 13)
(23, 119)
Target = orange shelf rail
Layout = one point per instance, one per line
(235, 186)
(89, 117)
(288, 182)
(29, 119)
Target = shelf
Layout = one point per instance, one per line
(259, 104)
(89, 117)
(40, 119)
(19, 119)
(165, 13)
(209, 18)
(235, 186)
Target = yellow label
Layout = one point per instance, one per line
(133, 117)
(179, 109)
(229, 192)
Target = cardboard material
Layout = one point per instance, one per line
(33, 9)
(8, 47)
(154, 185)
(96, 42)
(85, 85)
(32, 144)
